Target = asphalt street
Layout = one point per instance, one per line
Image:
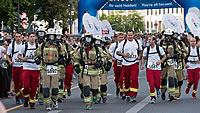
(74, 104)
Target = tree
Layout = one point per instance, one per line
(125, 23)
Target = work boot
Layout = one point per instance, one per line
(171, 98)
(26, 104)
(17, 101)
(117, 92)
(48, 108)
(59, 100)
(128, 99)
(123, 96)
(32, 105)
(95, 99)
(194, 96)
(163, 96)
(104, 100)
(187, 90)
(88, 107)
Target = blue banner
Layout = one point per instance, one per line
(142, 4)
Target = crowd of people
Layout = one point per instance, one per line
(42, 64)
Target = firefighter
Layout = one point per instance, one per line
(17, 66)
(130, 50)
(52, 55)
(154, 56)
(117, 63)
(192, 64)
(31, 71)
(103, 70)
(168, 70)
(88, 62)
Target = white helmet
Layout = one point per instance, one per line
(98, 37)
(59, 32)
(51, 31)
(41, 32)
(169, 32)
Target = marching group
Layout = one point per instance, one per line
(45, 67)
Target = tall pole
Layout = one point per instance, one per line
(70, 18)
(18, 20)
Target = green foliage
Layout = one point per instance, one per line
(124, 23)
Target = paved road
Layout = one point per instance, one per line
(74, 104)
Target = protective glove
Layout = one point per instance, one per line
(77, 69)
(61, 61)
(37, 60)
(97, 65)
(107, 66)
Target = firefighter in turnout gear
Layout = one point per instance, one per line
(52, 55)
(181, 55)
(168, 70)
(41, 34)
(88, 62)
(104, 69)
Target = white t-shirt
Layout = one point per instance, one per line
(17, 62)
(131, 48)
(194, 58)
(153, 57)
(30, 55)
(114, 52)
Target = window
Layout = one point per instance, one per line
(163, 11)
(168, 10)
(147, 24)
(147, 12)
(151, 11)
(172, 10)
(151, 24)
(159, 11)
(177, 10)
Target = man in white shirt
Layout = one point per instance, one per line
(117, 62)
(130, 50)
(17, 65)
(31, 71)
(153, 55)
(193, 67)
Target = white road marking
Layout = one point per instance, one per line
(55, 111)
(139, 106)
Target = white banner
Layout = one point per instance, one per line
(76, 26)
(170, 22)
(106, 25)
(88, 23)
(97, 26)
(193, 23)
(181, 26)
(195, 10)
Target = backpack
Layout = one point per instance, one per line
(148, 50)
(123, 50)
(189, 50)
(26, 48)
(13, 48)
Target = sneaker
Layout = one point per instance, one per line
(17, 101)
(153, 100)
(55, 105)
(194, 96)
(158, 94)
(48, 108)
(41, 103)
(69, 93)
(128, 99)
(117, 92)
(22, 100)
(133, 99)
(26, 104)
(163, 96)
(104, 100)
(187, 90)
(88, 107)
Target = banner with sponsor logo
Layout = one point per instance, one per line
(193, 23)
(170, 22)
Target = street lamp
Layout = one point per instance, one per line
(70, 21)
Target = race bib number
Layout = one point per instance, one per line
(153, 65)
(86, 68)
(119, 63)
(177, 65)
(193, 60)
(52, 70)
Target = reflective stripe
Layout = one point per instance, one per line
(61, 91)
(64, 93)
(194, 91)
(126, 90)
(50, 49)
(32, 101)
(121, 90)
(18, 93)
(76, 63)
(152, 94)
(133, 89)
(177, 91)
(47, 101)
(91, 72)
(26, 96)
(171, 90)
(87, 99)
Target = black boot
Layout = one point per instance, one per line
(117, 91)
(163, 96)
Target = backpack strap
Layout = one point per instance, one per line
(69, 56)
(138, 46)
(189, 50)
(158, 50)
(198, 52)
(148, 49)
(116, 46)
(161, 43)
(13, 48)
(26, 47)
(124, 45)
